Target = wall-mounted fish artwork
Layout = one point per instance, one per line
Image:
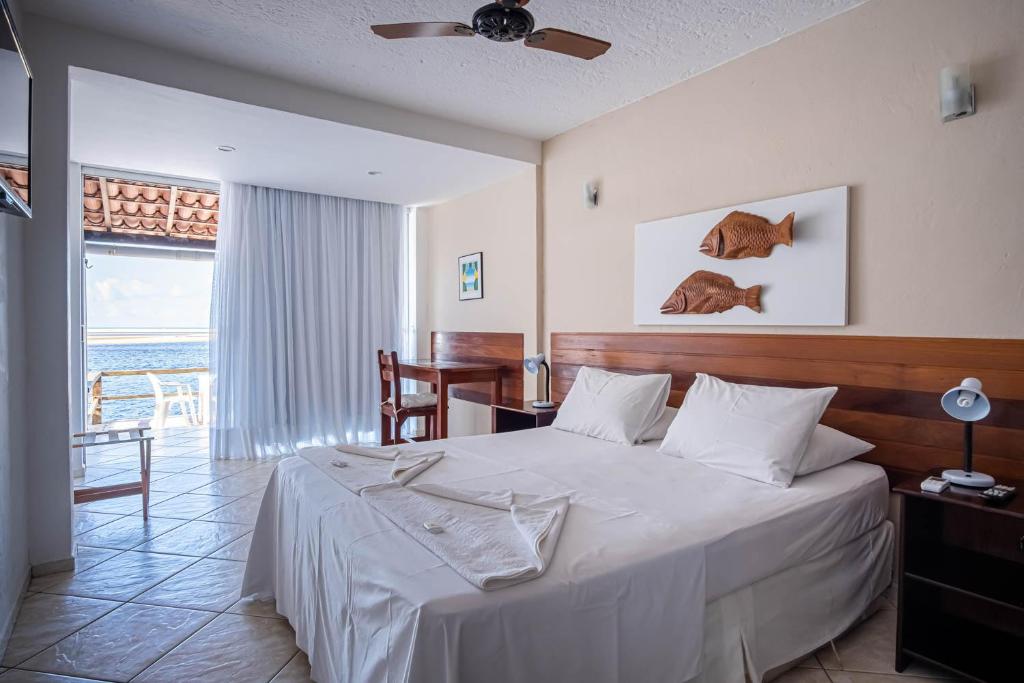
(741, 235)
(804, 283)
(707, 292)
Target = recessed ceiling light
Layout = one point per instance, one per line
(226, 148)
(375, 172)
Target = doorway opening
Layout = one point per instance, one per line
(149, 245)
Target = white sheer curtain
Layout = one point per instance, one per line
(306, 288)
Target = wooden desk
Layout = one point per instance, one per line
(443, 373)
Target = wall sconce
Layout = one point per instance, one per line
(590, 195)
(956, 92)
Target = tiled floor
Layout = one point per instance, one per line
(866, 655)
(158, 601)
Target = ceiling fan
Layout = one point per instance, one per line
(504, 21)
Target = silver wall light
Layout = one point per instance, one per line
(956, 92)
(590, 195)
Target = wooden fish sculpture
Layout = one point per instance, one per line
(740, 235)
(707, 292)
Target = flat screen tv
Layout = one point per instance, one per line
(15, 119)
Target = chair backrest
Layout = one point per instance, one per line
(390, 378)
(158, 390)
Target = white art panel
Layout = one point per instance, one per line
(801, 285)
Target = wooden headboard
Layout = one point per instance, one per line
(501, 348)
(889, 387)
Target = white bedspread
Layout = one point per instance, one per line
(622, 600)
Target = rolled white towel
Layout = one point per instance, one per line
(358, 468)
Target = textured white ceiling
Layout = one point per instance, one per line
(327, 43)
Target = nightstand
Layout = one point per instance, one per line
(960, 574)
(513, 416)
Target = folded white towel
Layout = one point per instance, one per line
(493, 539)
(359, 468)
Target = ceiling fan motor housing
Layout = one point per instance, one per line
(501, 24)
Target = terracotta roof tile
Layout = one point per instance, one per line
(139, 210)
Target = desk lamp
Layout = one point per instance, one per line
(968, 404)
(533, 364)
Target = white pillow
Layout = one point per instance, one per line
(756, 432)
(829, 447)
(659, 429)
(613, 407)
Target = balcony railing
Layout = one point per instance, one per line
(97, 398)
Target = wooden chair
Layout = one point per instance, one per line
(396, 407)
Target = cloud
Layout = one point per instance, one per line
(135, 292)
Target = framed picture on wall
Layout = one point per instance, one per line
(471, 276)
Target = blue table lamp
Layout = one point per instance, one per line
(967, 403)
(533, 364)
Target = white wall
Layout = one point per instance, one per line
(14, 563)
(13, 504)
(500, 221)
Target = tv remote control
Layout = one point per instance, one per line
(1000, 493)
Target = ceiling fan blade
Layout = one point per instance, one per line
(424, 29)
(568, 43)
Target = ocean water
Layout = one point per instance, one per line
(186, 354)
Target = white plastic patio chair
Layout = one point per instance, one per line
(167, 394)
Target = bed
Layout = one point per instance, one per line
(666, 569)
(691, 574)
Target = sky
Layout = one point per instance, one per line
(128, 291)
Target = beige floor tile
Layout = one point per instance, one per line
(858, 677)
(45, 619)
(21, 676)
(179, 464)
(187, 450)
(92, 473)
(224, 467)
(801, 675)
(130, 448)
(121, 644)
(241, 511)
(85, 558)
(871, 648)
(127, 477)
(184, 482)
(188, 506)
(125, 505)
(127, 532)
(809, 663)
(87, 521)
(196, 538)
(256, 608)
(122, 577)
(230, 648)
(236, 550)
(234, 485)
(115, 461)
(296, 671)
(208, 584)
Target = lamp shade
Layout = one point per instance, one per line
(966, 402)
(533, 363)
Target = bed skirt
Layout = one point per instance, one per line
(783, 618)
